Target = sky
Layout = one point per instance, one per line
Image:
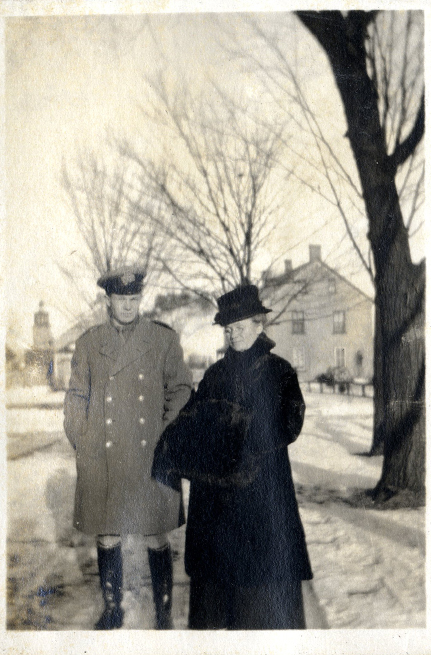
(70, 82)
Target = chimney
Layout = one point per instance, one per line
(315, 254)
(287, 266)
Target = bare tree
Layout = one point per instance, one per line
(399, 283)
(377, 62)
(109, 219)
(395, 64)
(215, 189)
(394, 57)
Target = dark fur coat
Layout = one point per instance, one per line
(231, 441)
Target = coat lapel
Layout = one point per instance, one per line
(110, 343)
(125, 354)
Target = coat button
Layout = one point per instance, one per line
(108, 421)
(143, 443)
(108, 444)
(141, 376)
(142, 421)
(141, 399)
(109, 399)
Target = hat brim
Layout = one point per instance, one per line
(224, 319)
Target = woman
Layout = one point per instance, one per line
(245, 546)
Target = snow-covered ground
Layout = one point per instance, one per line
(33, 395)
(368, 564)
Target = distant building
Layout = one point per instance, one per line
(320, 320)
(65, 344)
(42, 337)
(14, 368)
(38, 360)
(193, 318)
(63, 354)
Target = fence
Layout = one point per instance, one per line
(363, 389)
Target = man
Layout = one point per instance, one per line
(128, 382)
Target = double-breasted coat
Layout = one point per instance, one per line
(120, 398)
(230, 440)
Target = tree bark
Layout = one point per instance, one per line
(378, 401)
(403, 357)
(400, 284)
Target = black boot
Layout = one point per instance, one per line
(111, 578)
(161, 577)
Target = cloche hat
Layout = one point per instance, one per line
(238, 304)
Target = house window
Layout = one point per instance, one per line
(339, 322)
(298, 323)
(298, 358)
(359, 361)
(332, 287)
(340, 357)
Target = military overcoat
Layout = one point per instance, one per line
(120, 398)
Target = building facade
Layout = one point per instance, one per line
(320, 321)
(65, 344)
(38, 359)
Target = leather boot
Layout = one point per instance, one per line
(160, 562)
(111, 578)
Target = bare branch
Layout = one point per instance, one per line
(405, 149)
(212, 198)
(105, 214)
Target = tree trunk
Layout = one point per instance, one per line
(399, 283)
(379, 405)
(403, 350)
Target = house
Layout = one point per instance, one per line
(320, 320)
(193, 319)
(65, 345)
(14, 368)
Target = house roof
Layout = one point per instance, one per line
(85, 321)
(292, 276)
(69, 337)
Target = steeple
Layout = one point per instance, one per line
(42, 337)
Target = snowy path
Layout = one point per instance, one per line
(368, 564)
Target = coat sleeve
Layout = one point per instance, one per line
(292, 406)
(177, 380)
(77, 396)
(277, 408)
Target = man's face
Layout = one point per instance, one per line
(243, 334)
(124, 308)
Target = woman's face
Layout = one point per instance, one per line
(243, 334)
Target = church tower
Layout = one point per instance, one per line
(42, 337)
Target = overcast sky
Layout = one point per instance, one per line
(69, 82)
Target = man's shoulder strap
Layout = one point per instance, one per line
(165, 325)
